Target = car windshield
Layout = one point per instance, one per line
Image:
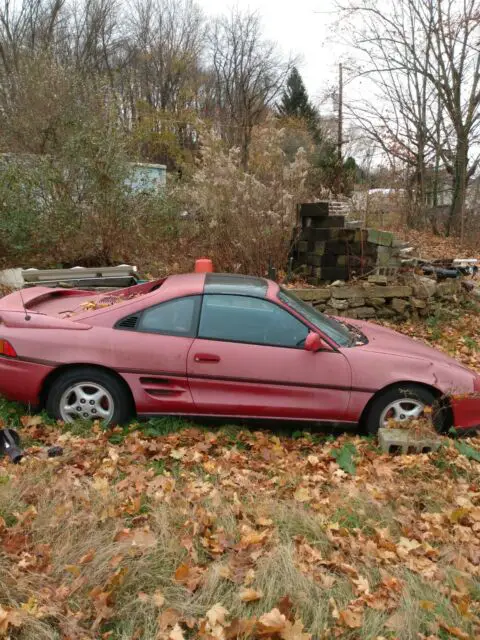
(330, 327)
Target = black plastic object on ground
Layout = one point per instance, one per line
(10, 445)
(55, 451)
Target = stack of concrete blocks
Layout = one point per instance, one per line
(328, 250)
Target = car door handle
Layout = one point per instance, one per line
(206, 357)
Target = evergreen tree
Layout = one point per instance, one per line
(295, 101)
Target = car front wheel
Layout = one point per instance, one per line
(400, 404)
(89, 394)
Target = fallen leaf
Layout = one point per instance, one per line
(302, 494)
(455, 631)
(285, 606)
(158, 599)
(9, 618)
(143, 538)
(176, 633)
(272, 622)
(216, 615)
(168, 618)
(294, 631)
(181, 574)
(31, 421)
(351, 619)
(88, 557)
(250, 595)
(74, 569)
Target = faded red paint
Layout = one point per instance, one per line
(180, 375)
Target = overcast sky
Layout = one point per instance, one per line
(300, 27)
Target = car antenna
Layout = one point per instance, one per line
(27, 317)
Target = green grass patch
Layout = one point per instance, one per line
(468, 451)
(345, 457)
(162, 426)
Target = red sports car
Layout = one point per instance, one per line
(218, 345)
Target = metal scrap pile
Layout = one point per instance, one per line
(441, 268)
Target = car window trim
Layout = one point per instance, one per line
(258, 344)
(195, 320)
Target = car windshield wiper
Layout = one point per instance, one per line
(352, 332)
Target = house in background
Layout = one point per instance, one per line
(147, 178)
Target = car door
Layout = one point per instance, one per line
(249, 360)
(151, 354)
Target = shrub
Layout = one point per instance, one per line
(245, 220)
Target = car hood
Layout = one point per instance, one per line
(387, 341)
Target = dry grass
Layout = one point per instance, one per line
(90, 537)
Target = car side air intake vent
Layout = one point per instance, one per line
(128, 323)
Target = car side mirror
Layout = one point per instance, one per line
(313, 342)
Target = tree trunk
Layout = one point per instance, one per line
(460, 179)
(245, 146)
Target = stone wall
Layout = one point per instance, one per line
(418, 296)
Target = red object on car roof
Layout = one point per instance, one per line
(203, 265)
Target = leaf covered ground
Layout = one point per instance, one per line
(169, 530)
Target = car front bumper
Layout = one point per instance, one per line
(466, 411)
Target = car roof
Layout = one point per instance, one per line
(236, 284)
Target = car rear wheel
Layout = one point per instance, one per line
(88, 394)
(401, 403)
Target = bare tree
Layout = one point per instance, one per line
(166, 40)
(423, 58)
(249, 75)
(454, 71)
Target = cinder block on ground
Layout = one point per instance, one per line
(404, 442)
(328, 222)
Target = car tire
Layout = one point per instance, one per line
(99, 394)
(400, 394)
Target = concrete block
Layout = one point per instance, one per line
(405, 442)
(447, 289)
(385, 312)
(345, 235)
(424, 287)
(347, 292)
(419, 303)
(390, 291)
(337, 222)
(364, 312)
(319, 247)
(314, 209)
(357, 302)
(399, 305)
(312, 294)
(377, 302)
(338, 304)
(380, 237)
(378, 279)
(360, 235)
(385, 256)
(314, 259)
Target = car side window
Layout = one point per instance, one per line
(251, 320)
(178, 317)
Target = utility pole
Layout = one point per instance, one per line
(340, 112)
